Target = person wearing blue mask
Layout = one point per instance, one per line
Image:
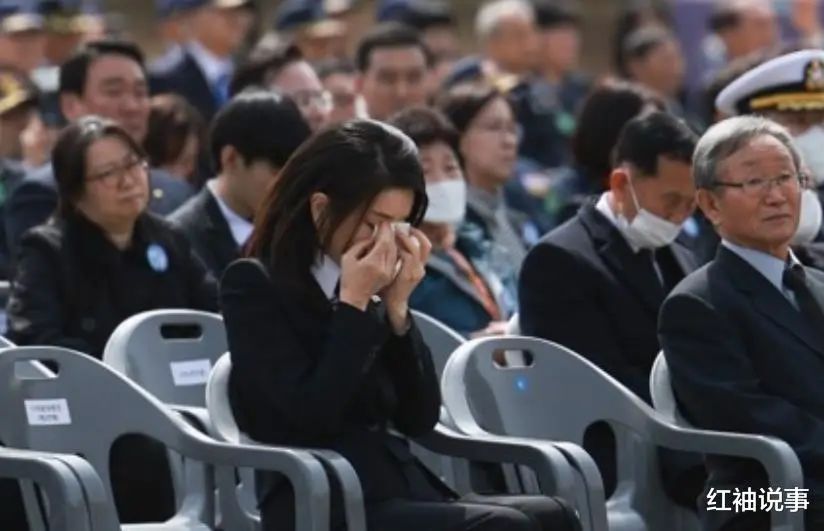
(595, 284)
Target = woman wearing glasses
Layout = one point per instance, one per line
(101, 257)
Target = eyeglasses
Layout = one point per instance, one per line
(500, 128)
(758, 186)
(309, 98)
(114, 175)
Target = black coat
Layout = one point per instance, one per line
(743, 359)
(73, 287)
(307, 372)
(201, 219)
(583, 287)
(34, 199)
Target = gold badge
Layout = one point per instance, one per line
(814, 75)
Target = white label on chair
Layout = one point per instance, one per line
(195, 372)
(53, 412)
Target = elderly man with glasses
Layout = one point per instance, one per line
(744, 335)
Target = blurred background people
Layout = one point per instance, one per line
(282, 68)
(22, 36)
(394, 68)
(175, 137)
(339, 79)
(316, 27)
(216, 30)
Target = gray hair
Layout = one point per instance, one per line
(491, 14)
(728, 136)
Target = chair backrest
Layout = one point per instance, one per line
(441, 340)
(82, 407)
(663, 398)
(170, 353)
(221, 417)
(554, 394)
(513, 327)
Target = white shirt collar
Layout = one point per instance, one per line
(327, 275)
(213, 67)
(603, 206)
(768, 265)
(240, 227)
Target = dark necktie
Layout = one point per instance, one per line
(796, 281)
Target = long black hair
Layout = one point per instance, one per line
(351, 163)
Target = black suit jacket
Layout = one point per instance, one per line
(201, 219)
(309, 373)
(583, 287)
(743, 359)
(186, 79)
(73, 287)
(34, 199)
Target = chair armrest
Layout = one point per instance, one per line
(197, 416)
(65, 491)
(554, 472)
(350, 485)
(102, 511)
(778, 458)
(304, 471)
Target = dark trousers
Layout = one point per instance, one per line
(470, 513)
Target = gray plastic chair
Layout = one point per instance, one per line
(557, 394)
(86, 406)
(169, 353)
(778, 458)
(554, 473)
(72, 489)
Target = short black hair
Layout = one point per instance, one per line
(649, 136)
(261, 125)
(426, 126)
(552, 14)
(389, 35)
(75, 71)
(263, 64)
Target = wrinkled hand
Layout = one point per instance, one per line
(367, 267)
(413, 251)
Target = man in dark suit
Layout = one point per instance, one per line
(595, 284)
(743, 335)
(204, 69)
(251, 139)
(104, 78)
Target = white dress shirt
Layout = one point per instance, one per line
(240, 227)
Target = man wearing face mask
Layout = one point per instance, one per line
(790, 90)
(595, 284)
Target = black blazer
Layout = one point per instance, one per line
(743, 359)
(307, 372)
(583, 287)
(73, 287)
(186, 79)
(201, 219)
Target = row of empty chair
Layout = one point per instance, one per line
(169, 370)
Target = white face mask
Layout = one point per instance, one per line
(646, 230)
(811, 145)
(809, 220)
(447, 201)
